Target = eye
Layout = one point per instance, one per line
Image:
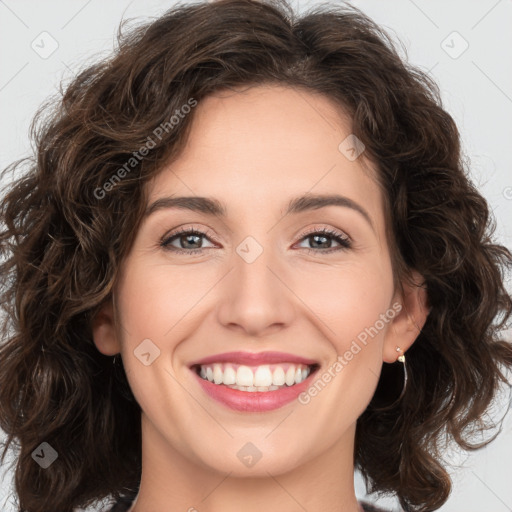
(188, 239)
(322, 239)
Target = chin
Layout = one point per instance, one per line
(254, 459)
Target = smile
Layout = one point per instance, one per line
(237, 381)
(257, 378)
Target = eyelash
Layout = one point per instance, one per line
(343, 240)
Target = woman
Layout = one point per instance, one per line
(333, 228)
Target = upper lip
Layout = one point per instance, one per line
(254, 359)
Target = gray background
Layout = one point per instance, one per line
(476, 85)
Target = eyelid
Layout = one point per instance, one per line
(185, 228)
(329, 230)
(341, 238)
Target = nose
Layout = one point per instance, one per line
(256, 298)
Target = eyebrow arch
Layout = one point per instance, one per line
(315, 201)
(213, 207)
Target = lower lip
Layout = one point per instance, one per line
(257, 401)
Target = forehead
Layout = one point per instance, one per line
(255, 148)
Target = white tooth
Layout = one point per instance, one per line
(241, 388)
(229, 375)
(244, 376)
(278, 377)
(202, 372)
(298, 376)
(209, 374)
(251, 389)
(290, 375)
(304, 373)
(217, 373)
(262, 388)
(263, 376)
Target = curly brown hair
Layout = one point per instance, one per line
(66, 227)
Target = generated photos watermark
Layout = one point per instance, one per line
(150, 143)
(343, 360)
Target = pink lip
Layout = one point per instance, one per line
(259, 401)
(254, 359)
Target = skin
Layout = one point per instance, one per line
(254, 150)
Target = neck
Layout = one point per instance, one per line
(171, 481)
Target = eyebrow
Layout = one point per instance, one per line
(213, 207)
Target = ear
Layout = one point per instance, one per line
(410, 319)
(104, 331)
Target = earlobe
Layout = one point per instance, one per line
(407, 324)
(104, 331)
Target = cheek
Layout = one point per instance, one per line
(347, 299)
(155, 297)
(347, 306)
(151, 301)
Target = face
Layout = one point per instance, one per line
(308, 283)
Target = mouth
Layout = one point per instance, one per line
(254, 387)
